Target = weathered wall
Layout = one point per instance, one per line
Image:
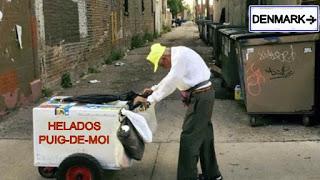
(75, 34)
(168, 19)
(18, 72)
(61, 36)
(236, 10)
(166, 14)
(218, 7)
(139, 21)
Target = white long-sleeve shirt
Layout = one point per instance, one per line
(187, 70)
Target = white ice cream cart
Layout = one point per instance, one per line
(73, 141)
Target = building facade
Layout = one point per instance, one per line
(43, 39)
(19, 71)
(235, 11)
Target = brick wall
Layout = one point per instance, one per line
(61, 36)
(138, 21)
(75, 34)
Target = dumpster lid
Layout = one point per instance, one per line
(209, 22)
(230, 31)
(249, 35)
(267, 38)
(200, 21)
(205, 21)
(220, 26)
(213, 24)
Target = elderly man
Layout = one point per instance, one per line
(190, 74)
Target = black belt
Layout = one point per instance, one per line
(202, 90)
(198, 85)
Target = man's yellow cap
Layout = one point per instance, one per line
(157, 50)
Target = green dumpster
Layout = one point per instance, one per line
(216, 40)
(277, 73)
(204, 29)
(199, 23)
(227, 57)
(211, 32)
(207, 27)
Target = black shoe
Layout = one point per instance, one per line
(202, 177)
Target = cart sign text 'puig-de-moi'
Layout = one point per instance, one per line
(286, 18)
(74, 139)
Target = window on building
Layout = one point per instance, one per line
(61, 22)
(126, 7)
(142, 6)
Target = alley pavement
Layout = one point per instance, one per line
(282, 149)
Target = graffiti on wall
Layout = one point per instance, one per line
(283, 56)
(285, 71)
(255, 80)
(271, 64)
(12, 96)
(8, 88)
(8, 82)
(281, 62)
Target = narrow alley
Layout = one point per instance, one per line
(281, 149)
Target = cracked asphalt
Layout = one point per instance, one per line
(281, 149)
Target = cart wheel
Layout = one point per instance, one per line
(47, 172)
(306, 121)
(79, 167)
(253, 121)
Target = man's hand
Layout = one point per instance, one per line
(141, 100)
(147, 92)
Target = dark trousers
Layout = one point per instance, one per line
(196, 140)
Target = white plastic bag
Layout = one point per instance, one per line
(140, 123)
(125, 161)
(150, 117)
(122, 158)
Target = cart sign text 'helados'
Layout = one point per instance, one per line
(84, 127)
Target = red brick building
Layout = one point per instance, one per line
(62, 36)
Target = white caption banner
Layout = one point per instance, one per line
(283, 18)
